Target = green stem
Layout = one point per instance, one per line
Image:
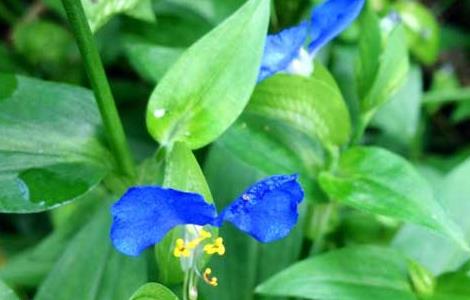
(99, 82)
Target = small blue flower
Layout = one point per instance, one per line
(143, 216)
(285, 52)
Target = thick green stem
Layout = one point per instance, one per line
(99, 82)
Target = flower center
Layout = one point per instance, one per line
(190, 250)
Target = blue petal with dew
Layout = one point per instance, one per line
(281, 49)
(144, 215)
(268, 210)
(330, 18)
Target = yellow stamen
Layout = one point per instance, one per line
(203, 235)
(217, 247)
(210, 281)
(180, 249)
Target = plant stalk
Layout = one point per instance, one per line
(99, 82)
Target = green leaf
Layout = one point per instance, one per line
(246, 262)
(99, 12)
(212, 10)
(436, 253)
(182, 172)
(313, 105)
(399, 118)
(143, 11)
(31, 38)
(378, 181)
(30, 267)
(452, 286)
(422, 30)
(358, 273)
(90, 269)
(380, 72)
(210, 85)
(152, 61)
(51, 143)
(276, 148)
(153, 291)
(6, 293)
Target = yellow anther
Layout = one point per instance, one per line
(180, 249)
(203, 235)
(210, 281)
(217, 247)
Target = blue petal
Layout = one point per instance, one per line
(281, 49)
(268, 209)
(330, 19)
(144, 215)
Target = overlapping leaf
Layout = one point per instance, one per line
(51, 147)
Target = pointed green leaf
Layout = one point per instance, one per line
(378, 181)
(382, 66)
(210, 85)
(359, 273)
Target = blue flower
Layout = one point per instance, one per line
(143, 216)
(285, 52)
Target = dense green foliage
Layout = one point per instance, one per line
(379, 134)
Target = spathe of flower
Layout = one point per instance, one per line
(267, 211)
(285, 52)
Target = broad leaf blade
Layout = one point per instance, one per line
(51, 146)
(378, 181)
(209, 86)
(313, 105)
(359, 273)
